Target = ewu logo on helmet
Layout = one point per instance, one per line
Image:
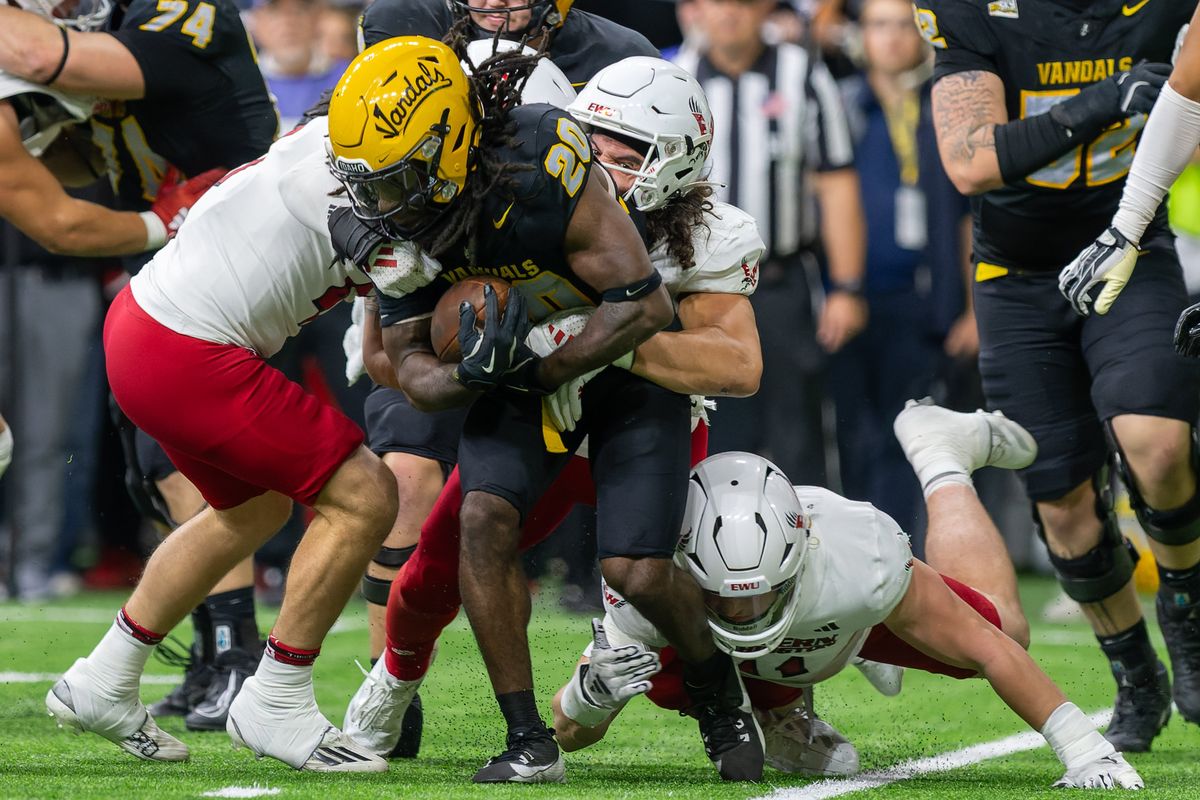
(416, 92)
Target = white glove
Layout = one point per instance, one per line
(557, 329)
(565, 404)
(610, 679)
(352, 342)
(6, 449)
(1091, 760)
(400, 268)
(1110, 259)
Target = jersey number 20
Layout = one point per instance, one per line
(567, 158)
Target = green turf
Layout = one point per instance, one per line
(648, 754)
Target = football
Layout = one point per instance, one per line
(443, 327)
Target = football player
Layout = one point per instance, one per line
(179, 87)
(186, 345)
(708, 257)
(39, 154)
(798, 581)
(1038, 107)
(421, 448)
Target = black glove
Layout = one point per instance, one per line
(522, 375)
(489, 354)
(353, 239)
(1111, 100)
(1187, 332)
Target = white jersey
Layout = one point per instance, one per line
(858, 569)
(42, 112)
(254, 260)
(727, 251)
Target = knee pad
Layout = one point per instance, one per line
(1177, 526)
(1099, 573)
(142, 490)
(376, 590)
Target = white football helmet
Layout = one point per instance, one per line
(546, 84)
(656, 102)
(80, 15)
(745, 538)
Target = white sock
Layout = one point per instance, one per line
(119, 659)
(284, 681)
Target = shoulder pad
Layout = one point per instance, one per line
(728, 251)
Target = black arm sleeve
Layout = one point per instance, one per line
(1026, 145)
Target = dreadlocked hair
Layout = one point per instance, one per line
(495, 87)
(675, 222)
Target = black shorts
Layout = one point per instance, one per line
(639, 447)
(151, 459)
(1061, 375)
(394, 426)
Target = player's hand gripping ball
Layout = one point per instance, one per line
(443, 327)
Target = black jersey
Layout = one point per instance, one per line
(584, 45)
(206, 104)
(1046, 51)
(521, 232)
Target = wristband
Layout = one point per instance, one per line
(849, 287)
(1073, 737)
(1026, 145)
(156, 231)
(62, 62)
(579, 709)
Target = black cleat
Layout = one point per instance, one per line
(532, 757)
(1181, 629)
(733, 741)
(196, 677)
(1140, 713)
(229, 672)
(411, 727)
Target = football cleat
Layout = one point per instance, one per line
(1140, 713)
(187, 695)
(1181, 630)
(929, 433)
(805, 745)
(296, 733)
(532, 756)
(80, 702)
(730, 733)
(411, 729)
(229, 672)
(378, 711)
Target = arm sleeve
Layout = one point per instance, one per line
(728, 254)
(832, 145)
(960, 35)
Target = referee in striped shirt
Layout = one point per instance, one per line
(781, 140)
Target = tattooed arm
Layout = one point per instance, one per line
(967, 107)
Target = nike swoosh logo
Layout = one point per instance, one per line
(1130, 10)
(491, 365)
(499, 223)
(635, 290)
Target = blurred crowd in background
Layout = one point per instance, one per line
(863, 298)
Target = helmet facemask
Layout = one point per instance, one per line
(545, 15)
(751, 625)
(666, 153)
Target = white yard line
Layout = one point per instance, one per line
(242, 791)
(51, 677)
(1019, 743)
(56, 614)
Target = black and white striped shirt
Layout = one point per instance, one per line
(774, 124)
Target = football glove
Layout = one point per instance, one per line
(174, 200)
(1112, 99)
(1109, 260)
(1187, 332)
(1106, 772)
(612, 676)
(556, 330)
(352, 342)
(396, 268)
(489, 354)
(565, 404)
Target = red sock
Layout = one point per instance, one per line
(411, 636)
(292, 656)
(138, 632)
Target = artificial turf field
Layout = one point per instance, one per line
(648, 753)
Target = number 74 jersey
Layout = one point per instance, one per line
(858, 568)
(1044, 52)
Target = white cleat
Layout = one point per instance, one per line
(297, 734)
(375, 716)
(886, 678)
(80, 702)
(804, 745)
(928, 433)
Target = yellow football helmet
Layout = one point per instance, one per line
(402, 129)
